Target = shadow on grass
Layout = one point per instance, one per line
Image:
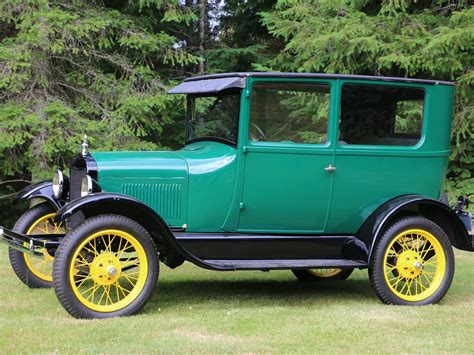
(258, 293)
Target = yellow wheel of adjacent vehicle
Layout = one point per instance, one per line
(32, 270)
(413, 263)
(105, 267)
(327, 274)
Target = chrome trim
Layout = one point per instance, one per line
(85, 146)
(26, 243)
(87, 186)
(58, 186)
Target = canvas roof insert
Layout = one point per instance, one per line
(209, 86)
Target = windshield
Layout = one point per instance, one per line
(213, 117)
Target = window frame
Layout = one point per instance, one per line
(190, 109)
(289, 81)
(372, 147)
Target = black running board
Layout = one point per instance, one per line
(284, 264)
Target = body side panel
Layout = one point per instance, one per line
(367, 176)
(212, 177)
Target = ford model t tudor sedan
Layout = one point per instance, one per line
(317, 174)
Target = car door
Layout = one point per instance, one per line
(381, 150)
(288, 156)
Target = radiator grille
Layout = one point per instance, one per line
(163, 198)
(76, 176)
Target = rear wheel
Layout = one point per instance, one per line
(106, 267)
(413, 263)
(322, 274)
(35, 271)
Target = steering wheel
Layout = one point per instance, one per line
(261, 135)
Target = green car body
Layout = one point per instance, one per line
(273, 187)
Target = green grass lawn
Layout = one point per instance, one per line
(194, 310)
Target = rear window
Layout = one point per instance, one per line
(381, 115)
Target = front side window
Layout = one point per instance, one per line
(289, 112)
(381, 115)
(213, 117)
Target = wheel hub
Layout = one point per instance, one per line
(409, 264)
(105, 269)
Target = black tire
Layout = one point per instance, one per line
(308, 276)
(70, 245)
(17, 258)
(436, 290)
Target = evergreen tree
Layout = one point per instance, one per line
(75, 67)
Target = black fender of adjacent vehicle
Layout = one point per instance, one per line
(42, 190)
(414, 205)
(113, 203)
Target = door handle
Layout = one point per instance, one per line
(330, 168)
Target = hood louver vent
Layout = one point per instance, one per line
(163, 198)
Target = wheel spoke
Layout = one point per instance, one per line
(111, 240)
(128, 279)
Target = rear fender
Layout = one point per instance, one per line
(414, 205)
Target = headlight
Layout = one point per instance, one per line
(58, 184)
(86, 186)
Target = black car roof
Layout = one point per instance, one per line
(317, 75)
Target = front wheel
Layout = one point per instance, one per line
(34, 271)
(413, 263)
(106, 267)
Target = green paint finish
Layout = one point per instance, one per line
(283, 187)
(212, 171)
(159, 179)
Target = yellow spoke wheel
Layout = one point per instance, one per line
(109, 270)
(35, 271)
(105, 267)
(413, 263)
(325, 273)
(42, 267)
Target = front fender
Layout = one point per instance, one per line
(42, 190)
(113, 203)
(409, 205)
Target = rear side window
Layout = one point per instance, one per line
(381, 115)
(289, 112)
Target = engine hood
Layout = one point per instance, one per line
(174, 183)
(159, 179)
(142, 165)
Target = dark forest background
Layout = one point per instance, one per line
(103, 67)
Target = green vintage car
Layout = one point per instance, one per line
(318, 174)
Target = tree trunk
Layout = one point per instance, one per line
(202, 32)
